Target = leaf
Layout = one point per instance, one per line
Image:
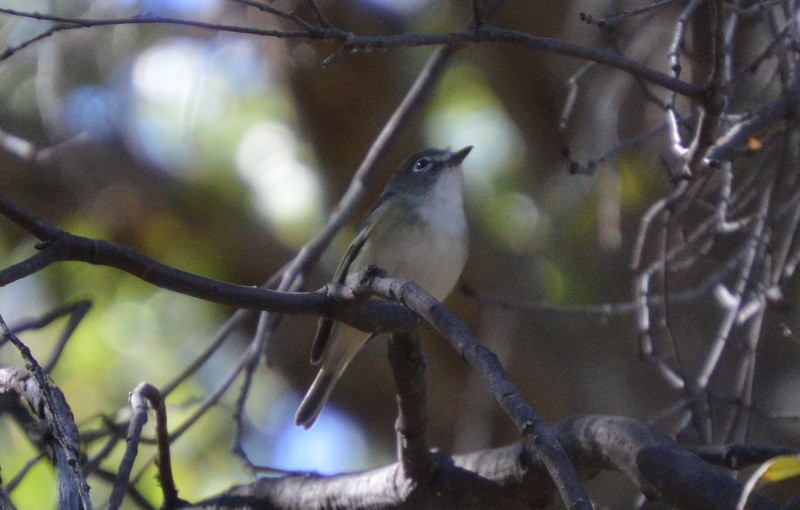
(774, 470)
(754, 144)
(781, 468)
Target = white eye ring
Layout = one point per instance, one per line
(422, 164)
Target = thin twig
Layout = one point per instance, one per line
(14, 482)
(731, 302)
(76, 312)
(714, 102)
(261, 6)
(139, 397)
(352, 42)
(268, 324)
(676, 50)
(323, 20)
(611, 21)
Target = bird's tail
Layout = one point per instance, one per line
(344, 344)
(315, 398)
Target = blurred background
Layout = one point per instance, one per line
(221, 154)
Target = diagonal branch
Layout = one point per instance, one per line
(48, 403)
(540, 438)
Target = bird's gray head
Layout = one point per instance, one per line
(421, 171)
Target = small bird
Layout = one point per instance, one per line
(416, 230)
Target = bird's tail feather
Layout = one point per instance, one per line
(344, 343)
(315, 399)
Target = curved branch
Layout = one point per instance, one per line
(606, 58)
(139, 397)
(58, 245)
(657, 465)
(481, 33)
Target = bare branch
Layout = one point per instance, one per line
(49, 405)
(59, 245)
(612, 21)
(139, 397)
(261, 6)
(714, 102)
(76, 312)
(479, 357)
(733, 305)
(736, 136)
(408, 367)
(323, 20)
(657, 465)
(483, 33)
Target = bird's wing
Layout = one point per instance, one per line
(325, 326)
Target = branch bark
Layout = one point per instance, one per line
(355, 42)
(662, 469)
(58, 246)
(59, 435)
(539, 436)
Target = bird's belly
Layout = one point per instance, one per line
(433, 258)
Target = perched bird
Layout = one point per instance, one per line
(417, 231)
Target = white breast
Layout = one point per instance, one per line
(432, 250)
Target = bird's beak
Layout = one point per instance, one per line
(457, 157)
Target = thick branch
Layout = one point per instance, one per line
(540, 436)
(60, 436)
(657, 465)
(408, 367)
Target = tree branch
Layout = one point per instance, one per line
(540, 437)
(408, 367)
(139, 397)
(58, 245)
(59, 435)
(663, 469)
(353, 42)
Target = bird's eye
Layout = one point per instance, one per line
(421, 164)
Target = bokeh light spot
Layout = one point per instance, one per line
(193, 100)
(516, 221)
(94, 110)
(194, 8)
(286, 190)
(404, 7)
(467, 112)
